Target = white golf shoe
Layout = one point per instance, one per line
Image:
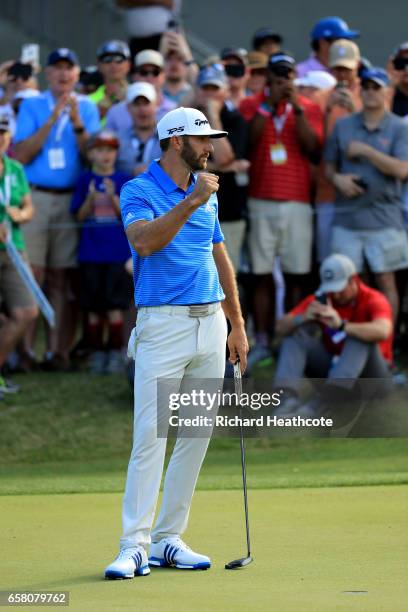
(129, 563)
(173, 552)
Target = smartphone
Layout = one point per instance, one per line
(173, 25)
(30, 54)
(321, 298)
(361, 183)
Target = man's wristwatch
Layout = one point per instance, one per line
(79, 129)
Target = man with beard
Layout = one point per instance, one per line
(182, 274)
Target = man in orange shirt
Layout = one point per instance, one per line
(286, 133)
(344, 60)
(344, 331)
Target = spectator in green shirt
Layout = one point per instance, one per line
(16, 208)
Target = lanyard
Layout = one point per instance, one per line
(143, 149)
(62, 120)
(6, 194)
(280, 121)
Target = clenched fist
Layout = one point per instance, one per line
(206, 184)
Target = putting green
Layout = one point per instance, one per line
(311, 546)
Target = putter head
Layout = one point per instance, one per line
(238, 563)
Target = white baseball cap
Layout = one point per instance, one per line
(146, 90)
(335, 272)
(149, 56)
(186, 122)
(317, 79)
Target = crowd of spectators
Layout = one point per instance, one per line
(315, 163)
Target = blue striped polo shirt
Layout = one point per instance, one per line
(184, 271)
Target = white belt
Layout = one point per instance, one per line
(194, 310)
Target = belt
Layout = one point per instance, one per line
(50, 189)
(193, 310)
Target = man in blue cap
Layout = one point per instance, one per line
(52, 131)
(323, 34)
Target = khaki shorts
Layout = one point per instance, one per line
(51, 237)
(384, 250)
(280, 228)
(234, 233)
(13, 292)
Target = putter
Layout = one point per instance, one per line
(238, 563)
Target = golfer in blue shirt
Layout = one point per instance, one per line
(184, 290)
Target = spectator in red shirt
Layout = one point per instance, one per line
(286, 133)
(344, 331)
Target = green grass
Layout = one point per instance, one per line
(318, 530)
(67, 433)
(310, 547)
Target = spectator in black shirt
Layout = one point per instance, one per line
(211, 98)
(400, 66)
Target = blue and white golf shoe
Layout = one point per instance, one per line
(129, 563)
(173, 552)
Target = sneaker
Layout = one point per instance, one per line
(258, 353)
(115, 363)
(314, 408)
(7, 386)
(129, 563)
(173, 552)
(288, 406)
(97, 362)
(55, 363)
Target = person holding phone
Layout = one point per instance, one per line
(367, 161)
(343, 331)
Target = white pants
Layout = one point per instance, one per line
(166, 343)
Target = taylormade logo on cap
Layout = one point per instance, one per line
(186, 122)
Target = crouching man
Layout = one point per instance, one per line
(344, 331)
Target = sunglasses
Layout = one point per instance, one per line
(235, 70)
(370, 86)
(281, 71)
(400, 63)
(154, 72)
(112, 59)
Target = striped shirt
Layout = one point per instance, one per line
(289, 181)
(184, 271)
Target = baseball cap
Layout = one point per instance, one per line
(63, 54)
(332, 27)
(400, 49)
(319, 79)
(4, 123)
(113, 47)
(282, 58)
(257, 59)
(335, 272)
(149, 56)
(104, 138)
(145, 90)
(237, 52)
(344, 53)
(265, 33)
(377, 75)
(186, 122)
(212, 75)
